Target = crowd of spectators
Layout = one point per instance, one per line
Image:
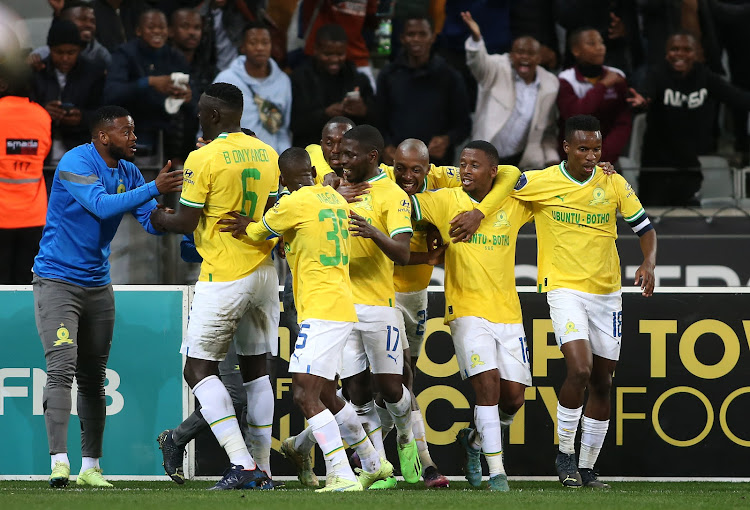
(507, 71)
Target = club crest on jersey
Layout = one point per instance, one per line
(121, 188)
(502, 219)
(599, 197)
(365, 203)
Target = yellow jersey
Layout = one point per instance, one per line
(416, 277)
(235, 172)
(388, 209)
(576, 227)
(480, 276)
(314, 221)
(322, 168)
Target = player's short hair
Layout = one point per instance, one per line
(106, 115)
(294, 157)
(259, 25)
(486, 147)
(575, 35)
(148, 12)
(581, 123)
(340, 119)
(181, 10)
(73, 4)
(368, 136)
(331, 32)
(226, 93)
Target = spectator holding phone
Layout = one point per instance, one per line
(69, 87)
(326, 86)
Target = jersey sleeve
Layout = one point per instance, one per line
(445, 176)
(276, 184)
(430, 206)
(397, 211)
(630, 206)
(283, 216)
(196, 179)
(506, 179)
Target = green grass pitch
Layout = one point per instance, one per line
(523, 495)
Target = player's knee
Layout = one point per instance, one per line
(579, 374)
(510, 403)
(601, 386)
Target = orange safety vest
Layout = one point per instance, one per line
(25, 138)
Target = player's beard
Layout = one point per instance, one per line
(118, 153)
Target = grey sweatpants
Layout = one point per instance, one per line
(75, 325)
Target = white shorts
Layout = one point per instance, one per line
(482, 345)
(319, 347)
(413, 308)
(246, 310)
(597, 318)
(376, 340)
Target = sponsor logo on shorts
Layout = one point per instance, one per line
(476, 361)
(570, 327)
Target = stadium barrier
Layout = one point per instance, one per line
(679, 404)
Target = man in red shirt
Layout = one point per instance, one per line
(25, 140)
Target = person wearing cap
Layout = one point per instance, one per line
(69, 87)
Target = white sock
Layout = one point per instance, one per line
(490, 433)
(356, 437)
(260, 403)
(371, 423)
(59, 457)
(304, 441)
(401, 412)
(505, 418)
(417, 426)
(386, 420)
(88, 463)
(327, 435)
(593, 433)
(217, 409)
(567, 426)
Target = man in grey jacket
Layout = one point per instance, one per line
(516, 109)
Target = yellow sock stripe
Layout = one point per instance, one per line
(222, 420)
(492, 454)
(334, 450)
(373, 431)
(260, 426)
(359, 442)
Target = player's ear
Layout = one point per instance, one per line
(566, 146)
(313, 172)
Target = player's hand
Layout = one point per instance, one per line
(359, 227)
(157, 216)
(436, 255)
(168, 182)
(438, 146)
(202, 142)
(644, 277)
(464, 225)
(607, 167)
(352, 192)
(332, 180)
(476, 34)
(434, 239)
(236, 224)
(280, 250)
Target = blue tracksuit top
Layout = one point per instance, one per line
(86, 205)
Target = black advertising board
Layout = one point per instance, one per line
(680, 398)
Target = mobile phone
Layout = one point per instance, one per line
(67, 106)
(354, 94)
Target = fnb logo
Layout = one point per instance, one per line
(22, 147)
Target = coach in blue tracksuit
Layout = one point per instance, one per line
(94, 186)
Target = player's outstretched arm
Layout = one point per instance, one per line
(644, 276)
(396, 248)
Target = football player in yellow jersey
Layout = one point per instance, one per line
(482, 306)
(381, 230)
(314, 221)
(237, 289)
(575, 206)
